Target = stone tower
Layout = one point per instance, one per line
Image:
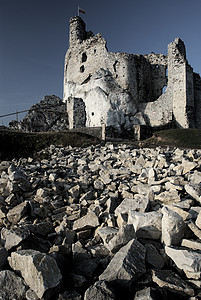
(77, 31)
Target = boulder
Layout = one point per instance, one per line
(90, 220)
(13, 237)
(173, 227)
(187, 260)
(40, 271)
(127, 265)
(146, 225)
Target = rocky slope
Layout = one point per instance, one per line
(108, 222)
(47, 115)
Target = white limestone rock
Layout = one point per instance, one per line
(138, 203)
(107, 233)
(17, 212)
(39, 271)
(173, 227)
(194, 190)
(146, 225)
(191, 244)
(13, 237)
(187, 260)
(198, 220)
(90, 220)
(124, 235)
(127, 265)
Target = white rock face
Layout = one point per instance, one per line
(186, 260)
(173, 227)
(146, 225)
(39, 271)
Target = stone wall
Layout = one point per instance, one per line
(122, 90)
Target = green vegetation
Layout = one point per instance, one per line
(17, 144)
(185, 138)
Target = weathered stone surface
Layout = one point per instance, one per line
(138, 204)
(187, 260)
(170, 280)
(11, 286)
(88, 221)
(173, 227)
(16, 213)
(191, 244)
(124, 235)
(146, 225)
(99, 291)
(39, 271)
(153, 257)
(194, 190)
(13, 237)
(127, 264)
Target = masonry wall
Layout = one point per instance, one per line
(122, 90)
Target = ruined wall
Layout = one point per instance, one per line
(122, 90)
(76, 112)
(197, 102)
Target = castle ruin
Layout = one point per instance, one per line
(122, 90)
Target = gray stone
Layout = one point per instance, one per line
(124, 235)
(99, 291)
(127, 265)
(15, 214)
(39, 271)
(194, 190)
(138, 203)
(146, 225)
(187, 260)
(107, 233)
(153, 257)
(191, 244)
(170, 280)
(11, 286)
(88, 221)
(198, 220)
(13, 237)
(173, 227)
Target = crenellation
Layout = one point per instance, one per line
(123, 90)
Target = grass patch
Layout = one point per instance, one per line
(185, 138)
(19, 144)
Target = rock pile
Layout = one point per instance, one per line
(104, 222)
(47, 115)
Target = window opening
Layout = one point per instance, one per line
(84, 57)
(82, 69)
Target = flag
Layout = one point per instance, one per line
(80, 10)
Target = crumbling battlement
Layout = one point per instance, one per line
(122, 90)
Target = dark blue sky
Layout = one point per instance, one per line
(34, 39)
